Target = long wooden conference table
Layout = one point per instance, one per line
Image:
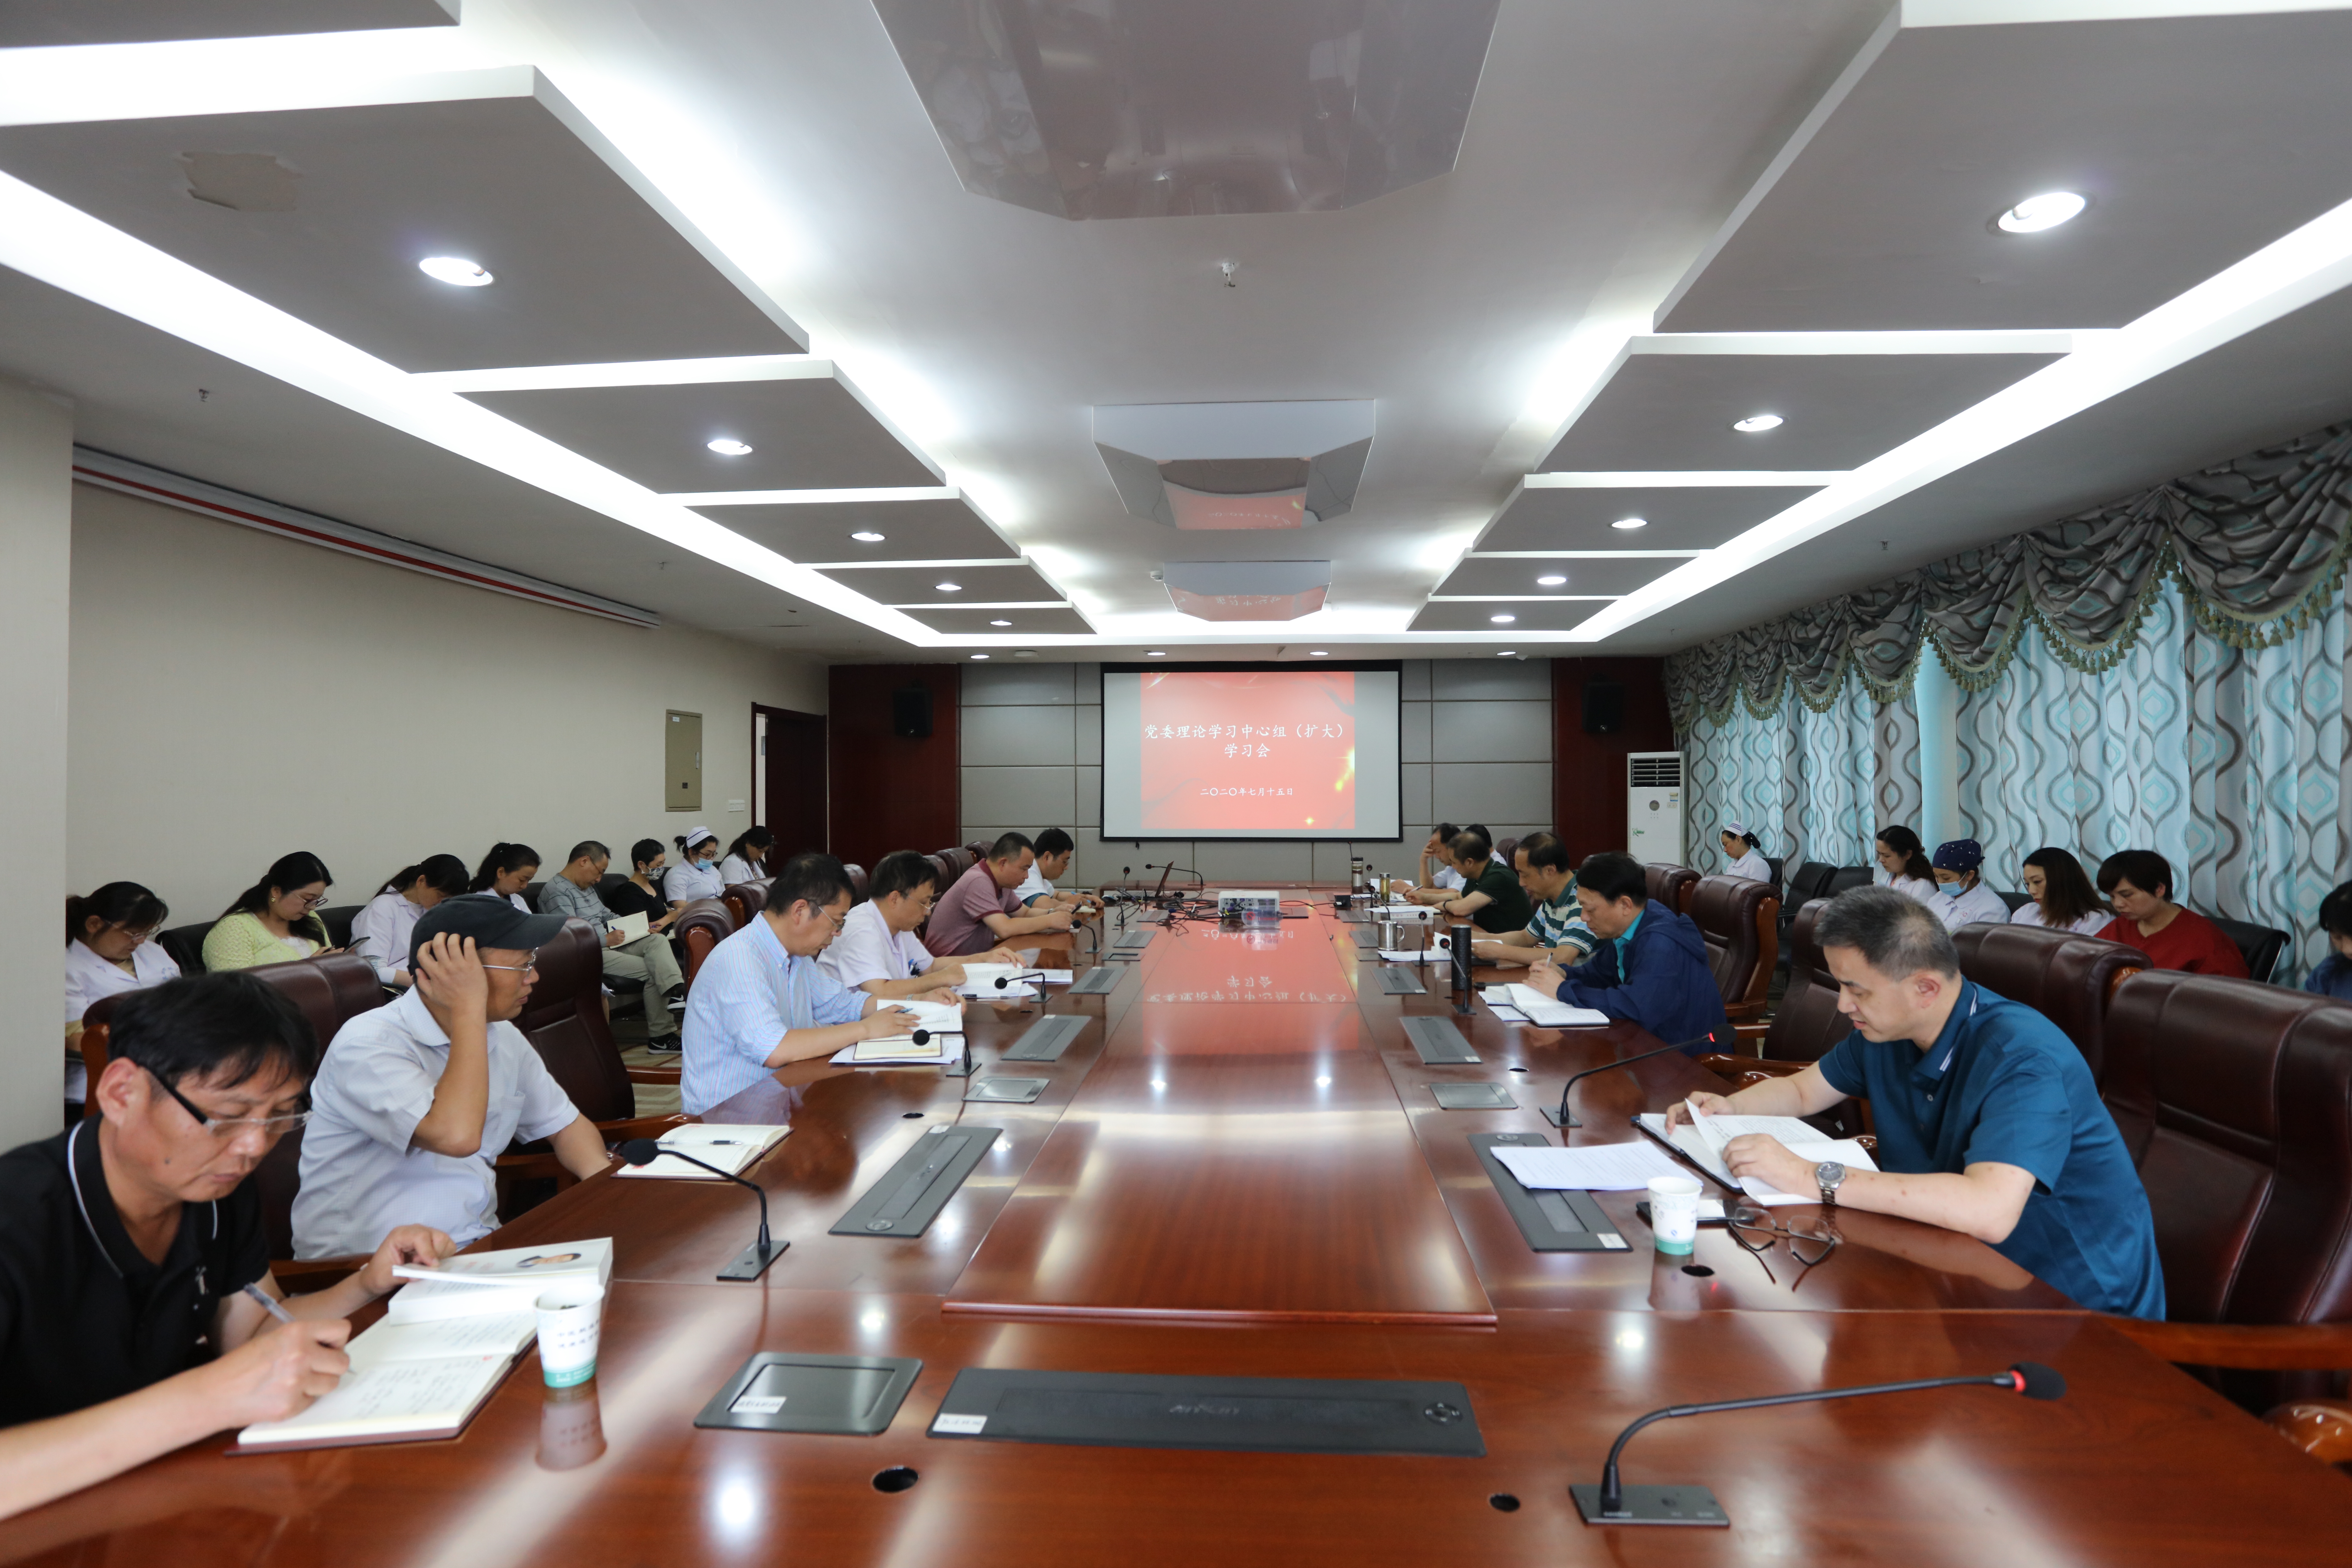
(1238, 1169)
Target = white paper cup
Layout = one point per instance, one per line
(1673, 1212)
(571, 1320)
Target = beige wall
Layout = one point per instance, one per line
(235, 696)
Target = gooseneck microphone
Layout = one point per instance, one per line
(1560, 1118)
(1611, 1503)
(753, 1260)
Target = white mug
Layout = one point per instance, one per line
(1673, 1212)
(571, 1321)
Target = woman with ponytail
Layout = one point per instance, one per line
(505, 872)
(275, 921)
(109, 951)
(380, 931)
(1904, 866)
(746, 859)
(697, 874)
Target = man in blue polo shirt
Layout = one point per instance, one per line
(1989, 1123)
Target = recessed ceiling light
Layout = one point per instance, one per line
(1757, 423)
(457, 270)
(2035, 213)
(979, 656)
(949, 587)
(728, 446)
(1000, 623)
(1630, 523)
(1508, 653)
(1318, 653)
(866, 536)
(1024, 653)
(1155, 653)
(1502, 620)
(1550, 580)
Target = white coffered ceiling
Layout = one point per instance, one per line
(736, 219)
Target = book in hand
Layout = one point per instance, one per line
(630, 926)
(733, 1149)
(446, 1342)
(1544, 1012)
(1703, 1138)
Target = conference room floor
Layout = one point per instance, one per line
(1239, 1170)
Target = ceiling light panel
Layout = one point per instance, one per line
(1169, 107)
(1029, 621)
(1486, 575)
(1676, 411)
(1541, 515)
(980, 587)
(1236, 467)
(1533, 617)
(586, 268)
(940, 528)
(30, 24)
(1879, 218)
(806, 434)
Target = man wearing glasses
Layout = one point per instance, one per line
(877, 950)
(127, 1244)
(417, 1100)
(760, 1000)
(1989, 1123)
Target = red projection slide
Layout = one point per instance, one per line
(1236, 751)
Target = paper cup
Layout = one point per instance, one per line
(571, 1320)
(1673, 1212)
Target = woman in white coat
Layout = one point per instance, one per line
(109, 950)
(1741, 855)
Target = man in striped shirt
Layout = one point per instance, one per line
(760, 1000)
(1557, 931)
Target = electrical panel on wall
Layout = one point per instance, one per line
(682, 762)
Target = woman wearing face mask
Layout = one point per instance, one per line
(698, 876)
(1962, 898)
(506, 871)
(380, 931)
(108, 952)
(1903, 864)
(275, 921)
(641, 892)
(1741, 854)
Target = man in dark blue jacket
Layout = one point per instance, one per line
(1651, 966)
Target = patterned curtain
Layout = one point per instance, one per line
(1811, 785)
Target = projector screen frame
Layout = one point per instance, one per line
(1394, 667)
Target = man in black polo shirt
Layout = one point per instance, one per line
(125, 1243)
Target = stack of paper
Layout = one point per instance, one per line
(1703, 1139)
(478, 1283)
(1591, 1167)
(732, 1147)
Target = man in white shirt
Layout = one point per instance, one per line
(415, 1101)
(1962, 896)
(877, 950)
(1442, 881)
(1037, 890)
(760, 1002)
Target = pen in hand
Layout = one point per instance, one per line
(269, 1303)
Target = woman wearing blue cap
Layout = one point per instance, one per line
(1962, 898)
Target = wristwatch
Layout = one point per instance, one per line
(1831, 1177)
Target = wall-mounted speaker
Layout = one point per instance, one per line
(910, 712)
(1604, 706)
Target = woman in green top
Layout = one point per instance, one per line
(1491, 896)
(273, 921)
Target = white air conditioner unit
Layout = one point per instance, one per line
(1654, 807)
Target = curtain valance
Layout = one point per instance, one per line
(2256, 545)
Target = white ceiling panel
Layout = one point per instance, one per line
(344, 203)
(975, 584)
(1025, 621)
(2196, 139)
(1675, 517)
(1517, 574)
(945, 529)
(1453, 615)
(35, 23)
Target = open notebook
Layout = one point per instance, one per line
(444, 1342)
(1544, 1012)
(1704, 1140)
(945, 1045)
(733, 1147)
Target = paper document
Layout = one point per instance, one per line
(1704, 1140)
(484, 1283)
(390, 1399)
(1591, 1167)
(497, 1333)
(1547, 1012)
(631, 927)
(900, 1050)
(1013, 992)
(939, 1018)
(731, 1147)
(1414, 955)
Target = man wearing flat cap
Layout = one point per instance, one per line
(1961, 897)
(415, 1101)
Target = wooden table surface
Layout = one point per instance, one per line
(1238, 1170)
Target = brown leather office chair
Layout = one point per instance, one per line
(563, 1020)
(2067, 978)
(701, 926)
(1504, 846)
(2236, 1100)
(329, 990)
(957, 861)
(1670, 885)
(979, 848)
(858, 883)
(744, 899)
(1740, 921)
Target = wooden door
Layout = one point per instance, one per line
(788, 764)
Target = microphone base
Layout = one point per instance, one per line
(753, 1260)
(959, 1068)
(1655, 1505)
(1552, 1115)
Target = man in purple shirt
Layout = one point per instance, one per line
(982, 909)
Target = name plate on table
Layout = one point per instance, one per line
(1440, 1044)
(846, 1396)
(1551, 1221)
(1250, 1415)
(911, 1193)
(1048, 1037)
(1098, 981)
(1402, 982)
